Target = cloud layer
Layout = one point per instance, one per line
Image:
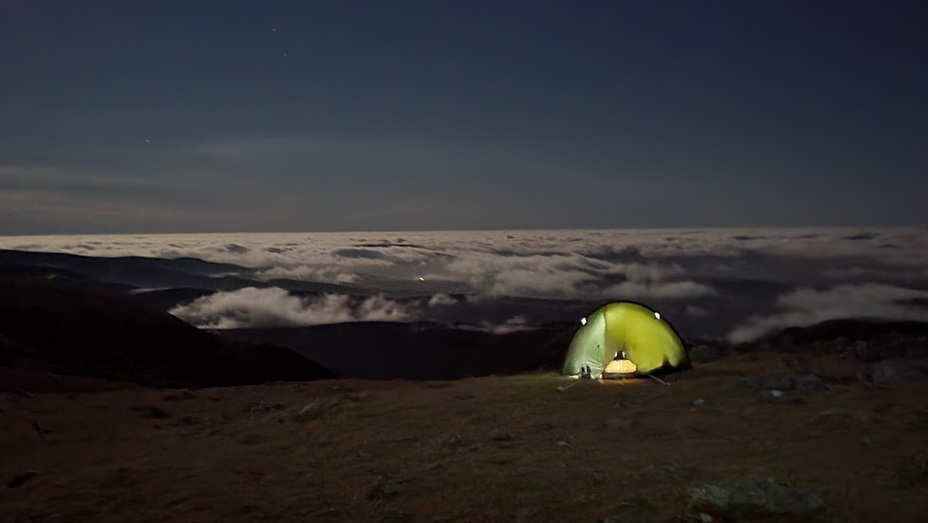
(809, 306)
(721, 281)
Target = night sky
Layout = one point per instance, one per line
(208, 116)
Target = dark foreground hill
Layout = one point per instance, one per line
(507, 449)
(76, 329)
(420, 351)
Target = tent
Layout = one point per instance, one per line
(624, 339)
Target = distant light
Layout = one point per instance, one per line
(421, 278)
(657, 315)
(582, 321)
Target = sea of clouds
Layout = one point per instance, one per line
(739, 284)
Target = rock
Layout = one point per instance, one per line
(21, 479)
(23, 393)
(753, 500)
(454, 441)
(622, 423)
(261, 406)
(499, 435)
(912, 470)
(314, 410)
(809, 383)
(341, 387)
(777, 382)
(899, 369)
(360, 397)
(863, 352)
(779, 396)
(188, 421)
(151, 412)
(705, 353)
(842, 415)
(183, 396)
(674, 470)
(385, 488)
(310, 409)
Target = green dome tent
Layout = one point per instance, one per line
(624, 338)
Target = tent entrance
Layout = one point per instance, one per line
(619, 369)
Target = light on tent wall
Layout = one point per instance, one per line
(620, 367)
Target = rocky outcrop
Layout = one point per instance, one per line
(758, 499)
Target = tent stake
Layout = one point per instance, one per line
(562, 388)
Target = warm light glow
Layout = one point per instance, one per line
(620, 367)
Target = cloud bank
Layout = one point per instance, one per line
(809, 306)
(730, 282)
(275, 307)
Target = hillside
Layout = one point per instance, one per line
(482, 449)
(419, 351)
(75, 329)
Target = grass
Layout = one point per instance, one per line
(430, 451)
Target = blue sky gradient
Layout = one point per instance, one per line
(177, 116)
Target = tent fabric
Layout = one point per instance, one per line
(642, 335)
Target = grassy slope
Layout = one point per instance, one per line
(376, 451)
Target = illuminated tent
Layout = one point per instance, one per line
(624, 339)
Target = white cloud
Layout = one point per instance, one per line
(809, 306)
(441, 300)
(561, 264)
(513, 324)
(665, 290)
(275, 307)
(325, 274)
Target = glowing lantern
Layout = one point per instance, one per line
(620, 367)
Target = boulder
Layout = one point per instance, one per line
(809, 383)
(758, 499)
(499, 435)
(899, 369)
